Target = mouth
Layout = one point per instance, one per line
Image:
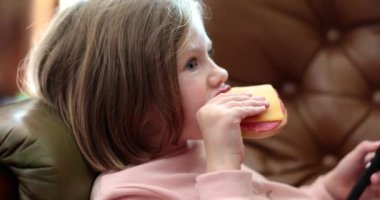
(223, 88)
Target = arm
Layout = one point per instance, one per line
(219, 121)
(318, 190)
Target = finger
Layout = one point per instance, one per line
(369, 157)
(374, 189)
(250, 111)
(259, 98)
(375, 178)
(247, 103)
(365, 148)
(226, 97)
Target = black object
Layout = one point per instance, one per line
(364, 179)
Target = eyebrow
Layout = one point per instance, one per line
(196, 47)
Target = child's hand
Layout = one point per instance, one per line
(219, 121)
(340, 181)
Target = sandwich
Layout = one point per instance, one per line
(265, 124)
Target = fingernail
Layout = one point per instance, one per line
(263, 107)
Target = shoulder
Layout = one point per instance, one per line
(155, 178)
(129, 184)
(103, 190)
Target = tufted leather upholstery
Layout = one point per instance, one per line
(39, 159)
(323, 57)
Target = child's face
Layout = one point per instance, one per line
(200, 79)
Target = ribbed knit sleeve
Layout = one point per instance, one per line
(230, 184)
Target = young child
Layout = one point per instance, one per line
(135, 82)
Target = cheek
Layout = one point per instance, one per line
(194, 99)
(191, 106)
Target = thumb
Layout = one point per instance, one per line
(365, 148)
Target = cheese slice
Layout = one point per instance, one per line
(274, 112)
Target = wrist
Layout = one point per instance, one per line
(331, 188)
(222, 157)
(222, 167)
(220, 163)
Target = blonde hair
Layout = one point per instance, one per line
(104, 65)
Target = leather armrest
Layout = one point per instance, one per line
(41, 152)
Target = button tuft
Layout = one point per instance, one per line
(333, 35)
(329, 161)
(376, 97)
(289, 88)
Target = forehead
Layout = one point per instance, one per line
(197, 37)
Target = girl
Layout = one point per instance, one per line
(135, 82)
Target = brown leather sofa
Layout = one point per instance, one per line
(323, 56)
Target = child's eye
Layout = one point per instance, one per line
(211, 53)
(192, 65)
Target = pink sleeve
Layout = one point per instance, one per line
(230, 184)
(317, 190)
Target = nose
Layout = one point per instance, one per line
(218, 75)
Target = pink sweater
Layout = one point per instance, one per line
(183, 176)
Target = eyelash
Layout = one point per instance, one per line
(211, 53)
(191, 62)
